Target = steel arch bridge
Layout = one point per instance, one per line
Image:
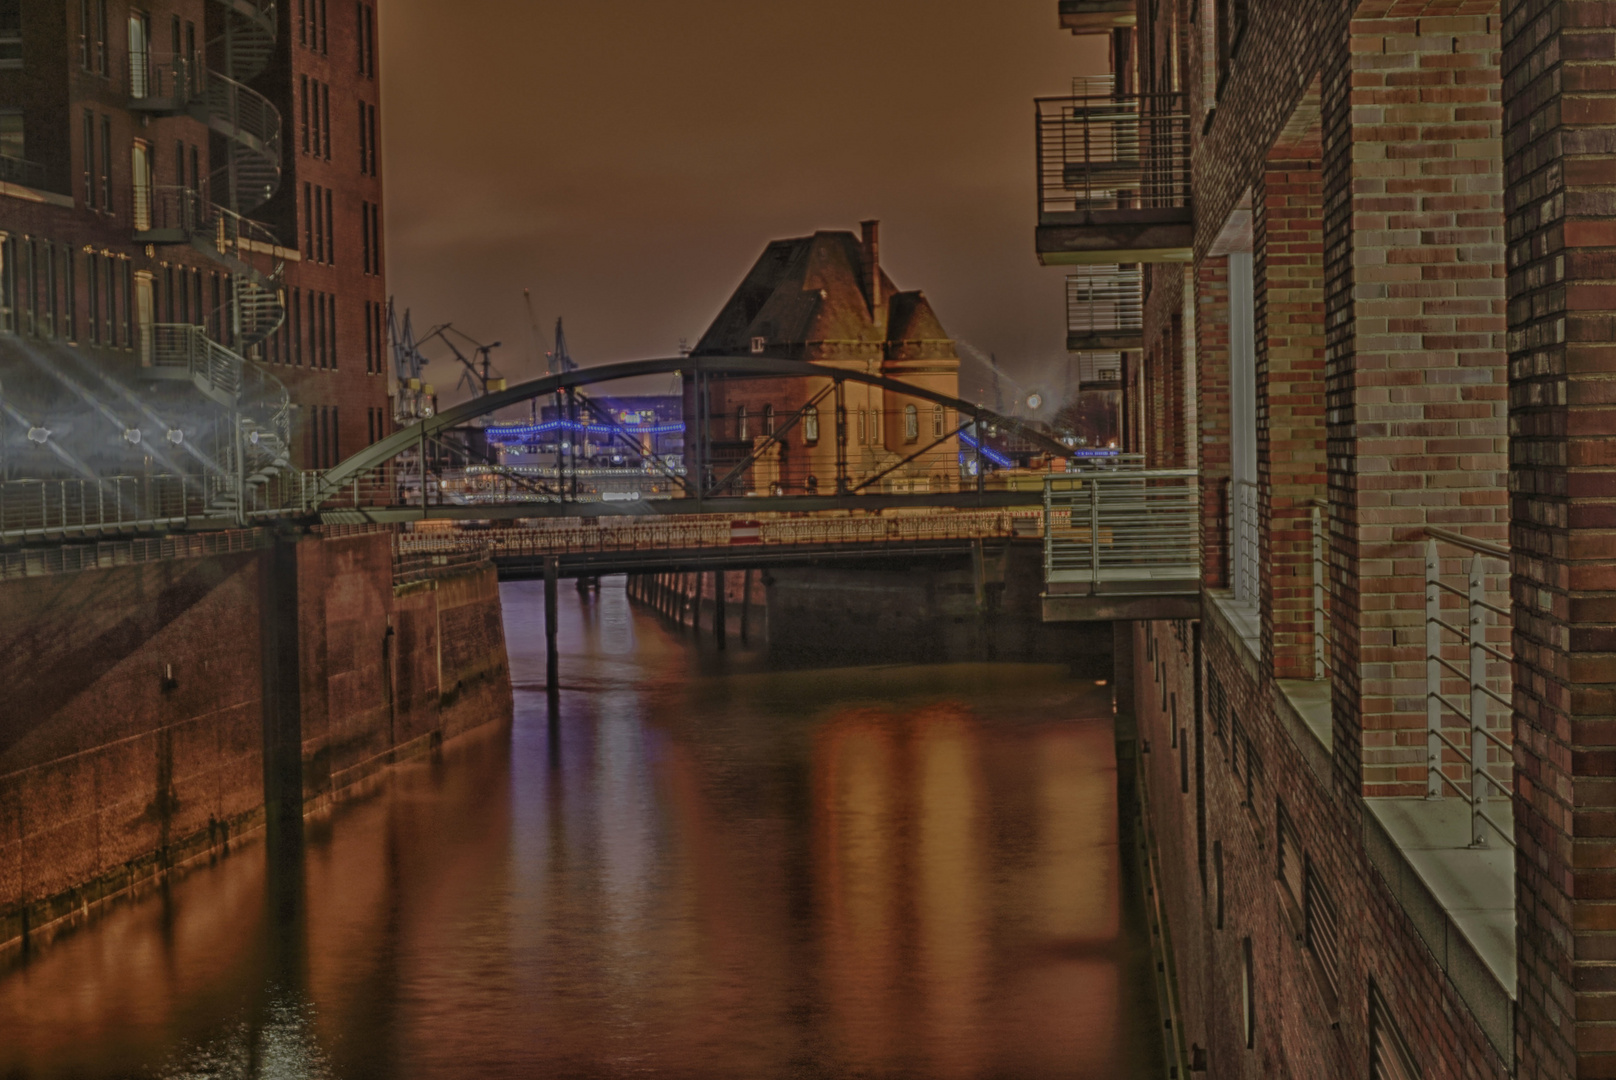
(365, 487)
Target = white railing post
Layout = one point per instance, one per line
(1478, 705)
(1319, 671)
(1049, 531)
(1094, 537)
(1433, 672)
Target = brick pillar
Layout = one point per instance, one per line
(1415, 371)
(1288, 229)
(1212, 416)
(1559, 70)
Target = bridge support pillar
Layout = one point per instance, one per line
(720, 614)
(552, 674)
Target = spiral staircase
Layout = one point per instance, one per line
(257, 447)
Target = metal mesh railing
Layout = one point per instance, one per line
(1244, 539)
(1467, 670)
(1098, 153)
(1122, 532)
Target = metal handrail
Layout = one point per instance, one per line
(1098, 153)
(1105, 300)
(1472, 636)
(15, 170)
(1130, 530)
(1320, 613)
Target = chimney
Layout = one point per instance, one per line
(871, 267)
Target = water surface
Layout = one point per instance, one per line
(703, 865)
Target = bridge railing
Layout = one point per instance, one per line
(692, 533)
(1123, 533)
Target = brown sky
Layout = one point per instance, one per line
(628, 160)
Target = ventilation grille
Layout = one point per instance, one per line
(1389, 1058)
(1323, 927)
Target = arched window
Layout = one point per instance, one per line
(911, 423)
(810, 425)
(937, 422)
(768, 419)
(740, 422)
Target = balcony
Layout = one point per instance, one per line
(1105, 309)
(1122, 544)
(28, 174)
(163, 85)
(1096, 16)
(1113, 180)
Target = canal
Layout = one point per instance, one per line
(702, 865)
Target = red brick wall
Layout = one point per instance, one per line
(1561, 123)
(135, 741)
(1289, 264)
(1418, 387)
(1212, 417)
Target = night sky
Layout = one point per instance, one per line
(628, 160)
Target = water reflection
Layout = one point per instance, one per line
(694, 865)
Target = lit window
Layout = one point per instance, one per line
(937, 422)
(911, 423)
(810, 425)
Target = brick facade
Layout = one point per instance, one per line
(1368, 137)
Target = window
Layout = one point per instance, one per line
(28, 288)
(364, 140)
(144, 310)
(331, 325)
(106, 164)
(11, 134)
(103, 62)
(303, 83)
(367, 41)
(92, 280)
(937, 421)
(370, 115)
(308, 221)
(1323, 926)
(1287, 856)
(1183, 762)
(89, 159)
(114, 294)
(10, 34)
(296, 321)
(330, 232)
(381, 336)
(863, 424)
(1242, 425)
(8, 286)
(86, 36)
(1248, 993)
(740, 423)
(139, 53)
(70, 302)
(314, 113)
(911, 423)
(768, 419)
(325, 119)
(325, 45)
(364, 233)
(1389, 1056)
(1217, 880)
(303, 22)
(376, 238)
(810, 425)
(140, 167)
(52, 321)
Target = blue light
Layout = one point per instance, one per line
(523, 432)
(988, 452)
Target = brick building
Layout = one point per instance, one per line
(1378, 249)
(190, 227)
(824, 298)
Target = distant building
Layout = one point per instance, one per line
(825, 299)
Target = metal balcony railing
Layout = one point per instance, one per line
(1100, 153)
(1099, 370)
(15, 170)
(1320, 589)
(1462, 624)
(164, 82)
(1105, 308)
(1127, 532)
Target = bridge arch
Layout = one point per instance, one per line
(410, 437)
